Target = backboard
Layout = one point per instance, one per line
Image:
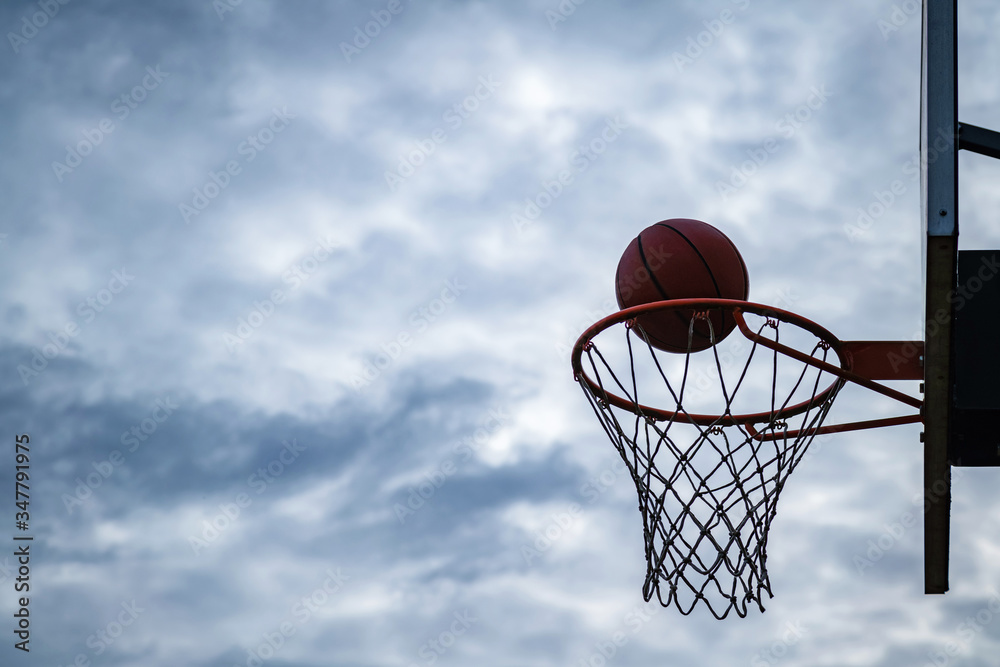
(961, 406)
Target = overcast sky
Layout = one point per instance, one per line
(275, 271)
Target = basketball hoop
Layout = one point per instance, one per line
(710, 437)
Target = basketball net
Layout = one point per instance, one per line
(708, 485)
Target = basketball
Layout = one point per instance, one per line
(681, 259)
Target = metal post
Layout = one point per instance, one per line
(939, 193)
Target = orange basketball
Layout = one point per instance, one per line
(681, 259)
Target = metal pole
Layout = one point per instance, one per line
(939, 193)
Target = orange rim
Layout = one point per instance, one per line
(843, 372)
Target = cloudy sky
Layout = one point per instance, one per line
(273, 269)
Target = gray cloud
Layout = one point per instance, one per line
(374, 303)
